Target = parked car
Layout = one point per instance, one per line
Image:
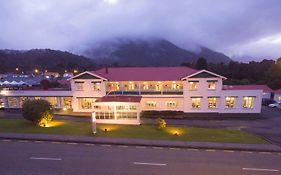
(275, 105)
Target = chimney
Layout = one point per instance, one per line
(106, 69)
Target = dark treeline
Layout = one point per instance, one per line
(265, 72)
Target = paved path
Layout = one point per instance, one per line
(19, 157)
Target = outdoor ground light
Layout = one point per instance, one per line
(105, 130)
(176, 133)
(64, 109)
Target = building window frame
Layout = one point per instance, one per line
(248, 102)
(230, 102)
(196, 102)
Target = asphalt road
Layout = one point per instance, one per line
(31, 158)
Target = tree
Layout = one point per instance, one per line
(201, 63)
(38, 112)
(161, 123)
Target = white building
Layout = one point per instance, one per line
(118, 95)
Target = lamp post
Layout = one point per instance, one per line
(94, 123)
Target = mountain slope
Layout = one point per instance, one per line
(42, 59)
(154, 52)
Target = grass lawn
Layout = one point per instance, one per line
(127, 131)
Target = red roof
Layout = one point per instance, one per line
(119, 98)
(144, 73)
(278, 91)
(265, 88)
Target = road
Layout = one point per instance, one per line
(51, 158)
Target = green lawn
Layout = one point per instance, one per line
(127, 131)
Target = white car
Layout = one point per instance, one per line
(275, 105)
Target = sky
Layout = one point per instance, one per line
(238, 28)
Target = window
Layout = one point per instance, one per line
(171, 104)
(130, 86)
(279, 98)
(22, 100)
(52, 100)
(97, 86)
(211, 85)
(212, 102)
(175, 86)
(114, 86)
(66, 102)
(158, 87)
(12, 102)
(37, 98)
(248, 102)
(193, 85)
(145, 86)
(151, 104)
(86, 103)
(79, 86)
(196, 102)
(230, 102)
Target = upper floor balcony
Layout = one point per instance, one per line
(145, 88)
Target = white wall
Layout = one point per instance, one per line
(239, 101)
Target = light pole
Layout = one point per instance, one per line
(94, 123)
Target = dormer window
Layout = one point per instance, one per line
(211, 84)
(79, 85)
(97, 86)
(193, 85)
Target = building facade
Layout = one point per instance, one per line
(118, 95)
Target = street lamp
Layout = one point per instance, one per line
(94, 123)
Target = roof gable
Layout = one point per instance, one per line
(87, 75)
(204, 74)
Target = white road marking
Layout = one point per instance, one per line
(44, 158)
(153, 164)
(210, 150)
(228, 151)
(174, 148)
(106, 145)
(72, 143)
(157, 147)
(123, 146)
(38, 141)
(7, 140)
(259, 169)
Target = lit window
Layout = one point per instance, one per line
(151, 104)
(195, 102)
(79, 86)
(211, 85)
(230, 102)
(279, 98)
(12, 102)
(130, 86)
(22, 100)
(171, 104)
(66, 102)
(37, 98)
(145, 86)
(175, 86)
(158, 87)
(97, 86)
(212, 102)
(114, 86)
(193, 85)
(248, 102)
(86, 103)
(52, 100)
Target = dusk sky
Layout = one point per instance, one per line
(234, 27)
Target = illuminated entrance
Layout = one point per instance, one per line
(117, 109)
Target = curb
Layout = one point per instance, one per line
(149, 143)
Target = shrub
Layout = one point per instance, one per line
(161, 123)
(37, 111)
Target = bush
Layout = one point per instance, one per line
(37, 111)
(161, 123)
